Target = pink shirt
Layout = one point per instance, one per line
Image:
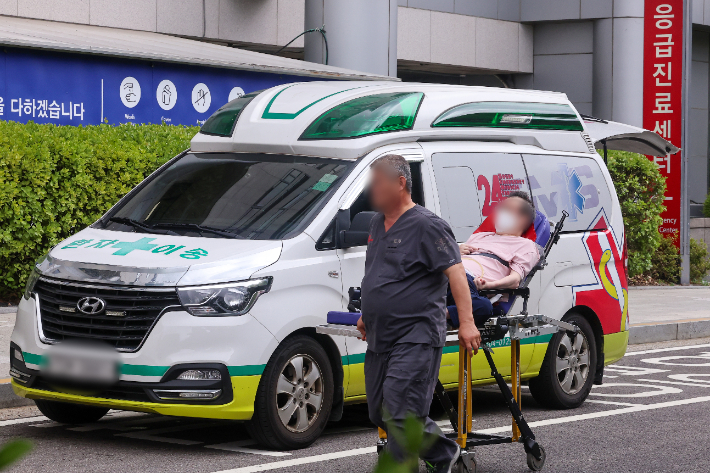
(520, 252)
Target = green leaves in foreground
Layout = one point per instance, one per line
(13, 451)
(415, 442)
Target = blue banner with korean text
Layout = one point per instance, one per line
(76, 89)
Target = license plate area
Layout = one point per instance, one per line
(87, 364)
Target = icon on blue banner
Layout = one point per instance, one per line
(130, 92)
(166, 94)
(201, 98)
(235, 93)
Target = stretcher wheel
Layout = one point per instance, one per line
(533, 463)
(466, 463)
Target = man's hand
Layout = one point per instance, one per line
(361, 328)
(469, 338)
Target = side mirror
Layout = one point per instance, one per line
(358, 232)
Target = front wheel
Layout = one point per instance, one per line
(295, 396)
(66, 413)
(568, 370)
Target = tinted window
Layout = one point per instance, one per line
(569, 183)
(259, 197)
(471, 184)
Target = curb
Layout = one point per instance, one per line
(8, 398)
(8, 310)
(666, 332)
(651, 288)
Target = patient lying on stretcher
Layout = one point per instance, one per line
(499, 260)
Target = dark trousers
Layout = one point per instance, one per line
(482, 307)
(401, 382)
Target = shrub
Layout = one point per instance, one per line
(56, 180)
(640, 187)
(706, 207)
(699, 261)
(665, 262)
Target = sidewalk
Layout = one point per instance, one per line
(668, 313)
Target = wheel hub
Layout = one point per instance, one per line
(299, 393)
(573, 362)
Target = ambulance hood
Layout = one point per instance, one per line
(143, 259)
(622, 137)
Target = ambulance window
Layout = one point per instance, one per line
(471, 184)
(569, 183)
(362, 203)
(240, 195)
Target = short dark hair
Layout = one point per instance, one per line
(397, 165)
(528, 207)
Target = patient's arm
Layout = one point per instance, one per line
(511, 281)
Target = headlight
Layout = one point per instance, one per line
(223, 299)
(34, 276)
(31, 281)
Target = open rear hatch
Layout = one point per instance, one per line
(620, 137)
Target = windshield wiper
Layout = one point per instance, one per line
(200, 229)
(141, 226)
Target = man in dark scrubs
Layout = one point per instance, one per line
(411, 257)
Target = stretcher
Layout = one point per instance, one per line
(518, 327)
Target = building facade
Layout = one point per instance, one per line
(593, 50)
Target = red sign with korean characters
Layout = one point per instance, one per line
(662, 96)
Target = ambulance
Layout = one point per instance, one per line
(198, 293)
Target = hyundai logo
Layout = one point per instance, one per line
(91, 305)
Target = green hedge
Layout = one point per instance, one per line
(640, 187)
(56, 180)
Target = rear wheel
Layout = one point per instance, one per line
(66, 413)
(568, 370)
(295, 396)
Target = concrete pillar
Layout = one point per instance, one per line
(602, 75)
(627, 63)
(361, 35)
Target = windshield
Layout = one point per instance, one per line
(251, 196)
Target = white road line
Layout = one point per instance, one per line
(677, 383)
(495, 430)
(595, 401)
(24, 420)
(611, 412)
(303, 461)
(661, 350)
(240, 446)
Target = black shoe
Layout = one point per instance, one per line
(443, 467)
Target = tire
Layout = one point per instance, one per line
(569, 367)
(291, 409)
(66, 413)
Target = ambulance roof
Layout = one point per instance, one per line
(276, 119)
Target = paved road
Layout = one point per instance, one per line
(649, 416)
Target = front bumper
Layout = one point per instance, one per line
(238, 346)
(240, 408)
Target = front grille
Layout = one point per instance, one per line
(138, 309)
